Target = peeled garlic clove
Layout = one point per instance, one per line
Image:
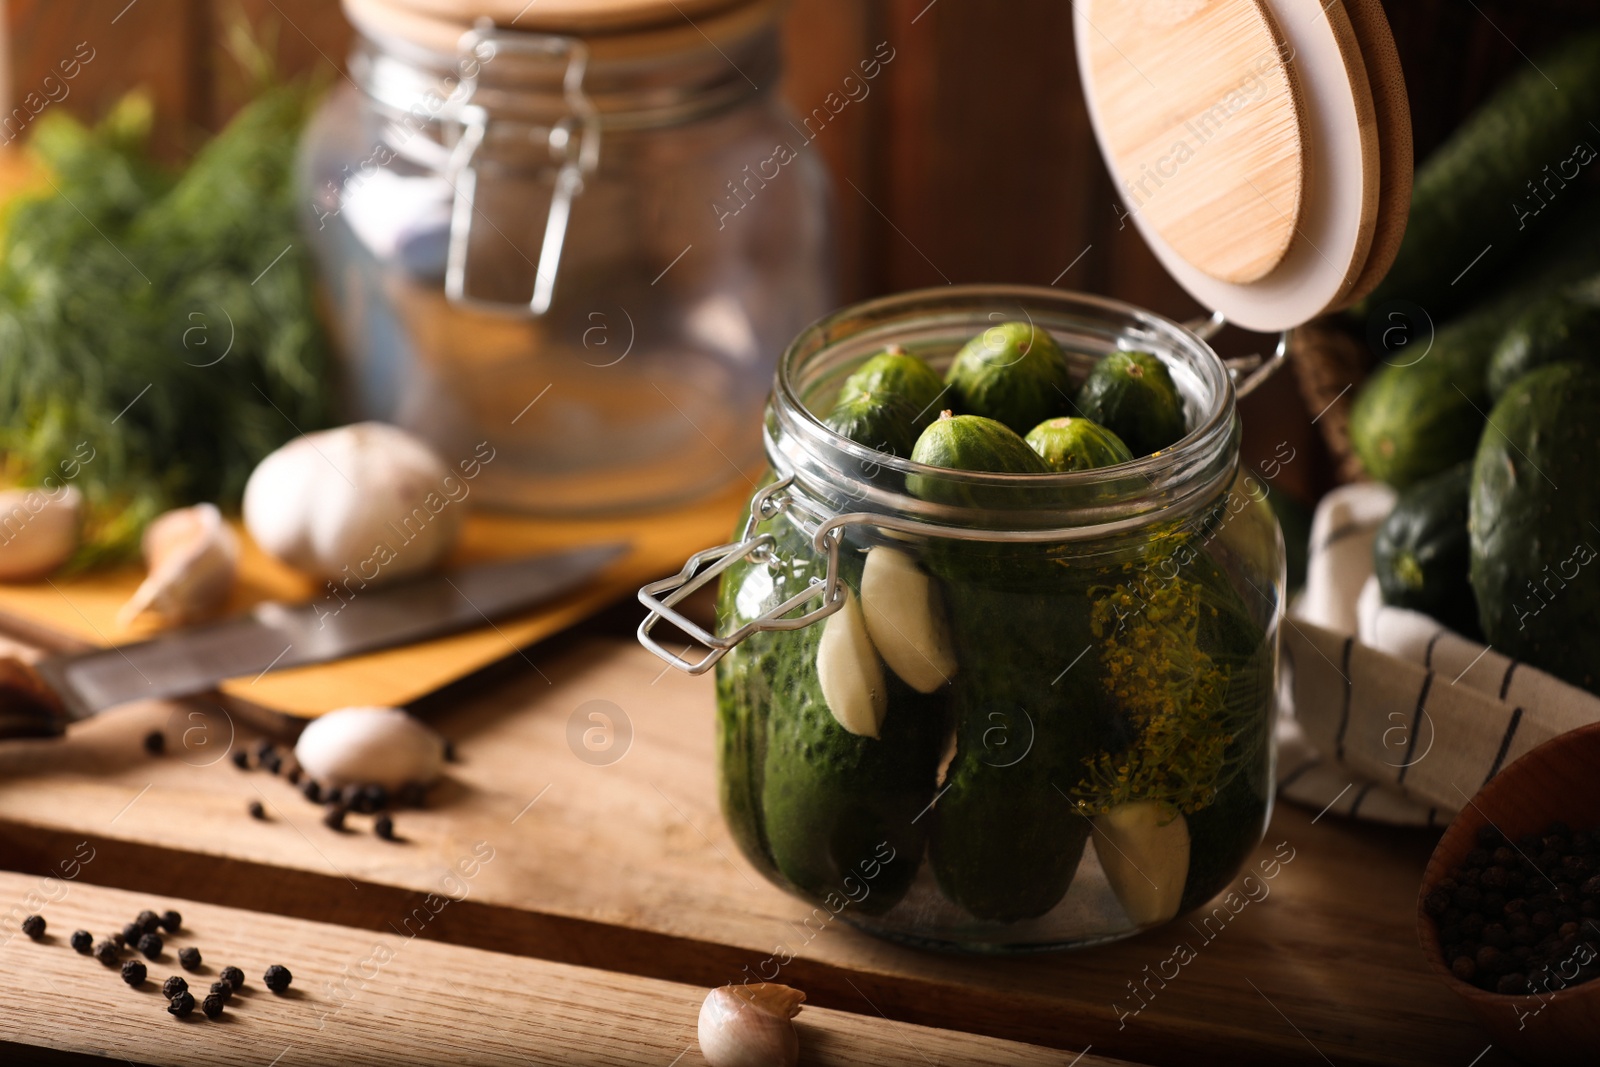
(848, 671)
(193, 556)
(749, 1026)
(905, 617)
(39, 531)
(1143, 847)
(369, 746)
(366, 503)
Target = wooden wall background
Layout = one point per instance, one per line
(971, 160)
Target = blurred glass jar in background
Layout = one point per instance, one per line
(588, 250)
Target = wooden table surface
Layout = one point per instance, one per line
(626, 867)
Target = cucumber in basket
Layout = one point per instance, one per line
(1422, 554)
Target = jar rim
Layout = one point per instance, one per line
(841, 472)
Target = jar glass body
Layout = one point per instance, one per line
(1092, 755)
(682, 270)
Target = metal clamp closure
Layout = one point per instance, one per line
(767, 504)
(581, 125)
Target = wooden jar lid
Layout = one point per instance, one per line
(1248, 148)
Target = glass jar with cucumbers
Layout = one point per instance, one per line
(996, 651)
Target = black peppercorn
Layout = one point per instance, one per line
(271, 762)
(212, 1006)
(173, 986)
(189, 958)
(293, 775)
(241, 759)
(150, 946)
(262, 747)
(131, 933)
(155, 742)
(376, 797)
(311, 790)
(1463, 968)
(83, 941)
(350, 797)
(182, 1004)
(106, 952)
(277, 978)
(222, 988)
(171, 921)
(33, 926)
(1512, 983)
(148, 921)
(233, 976)
(413, 794)
(383, 826)
(334, 819)
(133, 972)
(257, 811)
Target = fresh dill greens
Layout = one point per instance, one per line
(166, 321)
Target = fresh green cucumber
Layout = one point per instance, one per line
(970, 443)
(1563, 326)
(1070, 444)
(879, 420)
(1013, 373)
(1132, 395)
(1502, 178)
(895, 372)
(1535, 504)
(1422, 552)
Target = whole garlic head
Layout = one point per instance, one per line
(367, 501)
(750, 1026)
(39, 531)
(369, 746)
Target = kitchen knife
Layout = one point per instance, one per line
(276, 636)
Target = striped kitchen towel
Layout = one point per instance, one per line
(1388, 715)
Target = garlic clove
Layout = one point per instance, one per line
(848, 671)
(1143, 847)
(369, 746)
(39, 531)
(192, 556)
(905, 617)
(365, 503)
(750, 1026)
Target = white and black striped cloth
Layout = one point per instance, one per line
(1387, 715)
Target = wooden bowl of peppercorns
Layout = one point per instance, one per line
(1509, 912)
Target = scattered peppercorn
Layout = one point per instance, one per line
(233, 976)
(350, 797)
(383, 826)
(263, 747)
(106, 952)
(222, 988)
(189, 958)
(150, 946)
(277, 978)
(376, 797)
(182, 1004)
(133, 972)
(257, 811)
(334, 820)
(212, 1006)
(33, 926)
(241, 759)
(293, 775)
(131, 933)
(149, 921)
(271, 762)
(155, 742)
(171, 921)
(174, 985)
(311, 790)
(83, 941)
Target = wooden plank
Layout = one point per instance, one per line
(393, 998)
(628, 866)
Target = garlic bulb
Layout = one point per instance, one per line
(366, 503)
(1143, 847)
(905, 615)
(192, 556)
(369, 746)
(848, 671)
(38, 531)
(749, 1026)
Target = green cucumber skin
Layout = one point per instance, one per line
(898, 374)
(1013, 373)
(1073, 444)
(1466, 194)
(1564, 326)
(1535, 503)
(878, 420)
(1132, 395)
(1422, 553)
(970, 443)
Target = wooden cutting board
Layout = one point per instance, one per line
(625, 864)
(84, 609)
(387, 1000)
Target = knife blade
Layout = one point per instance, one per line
(276, 636)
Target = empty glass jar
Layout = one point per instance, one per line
(576, 247)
